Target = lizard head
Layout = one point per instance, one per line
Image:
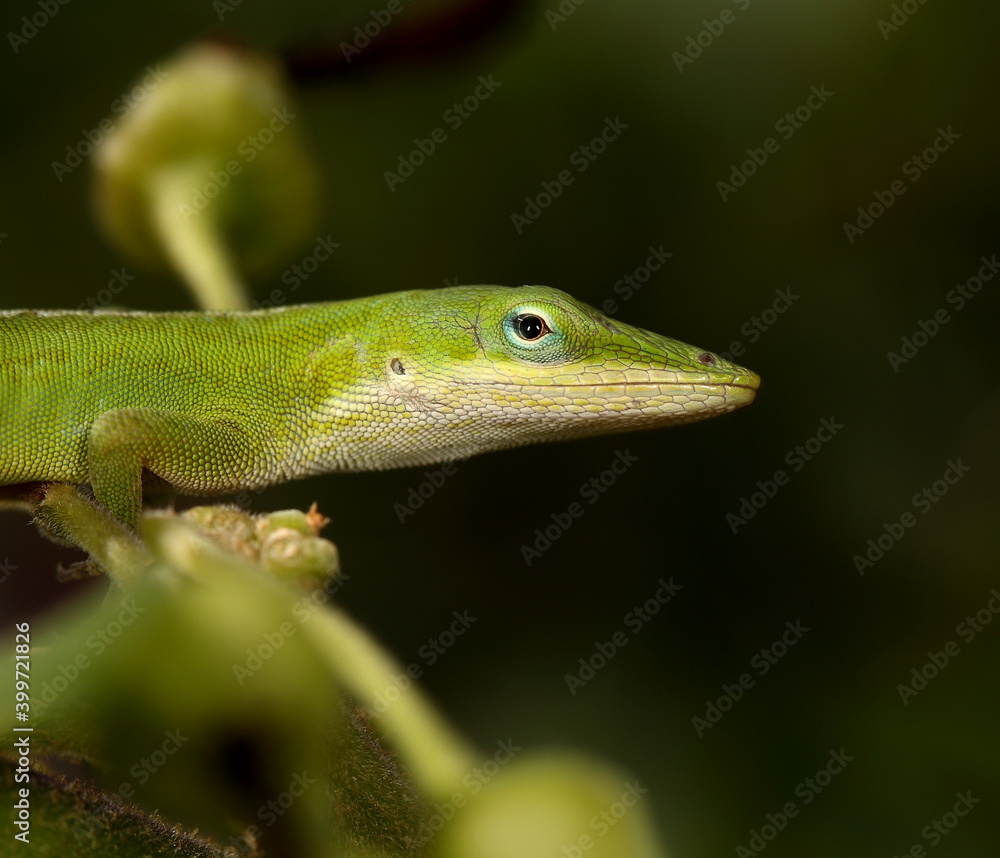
(468, 369)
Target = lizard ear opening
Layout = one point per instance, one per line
(396, 365)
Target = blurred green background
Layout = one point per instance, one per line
(825, 356)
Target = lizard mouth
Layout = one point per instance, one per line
(740, 394)
(717, 396)
(745, 388)
(656, 378)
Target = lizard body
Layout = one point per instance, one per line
(211, 403)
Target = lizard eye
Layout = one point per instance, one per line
(530, 327)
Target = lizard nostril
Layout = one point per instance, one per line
(396, 365)
(706, 358)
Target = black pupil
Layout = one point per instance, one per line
(530, 327)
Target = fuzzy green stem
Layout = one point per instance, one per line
(69, 517)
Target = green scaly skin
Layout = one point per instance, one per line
(212, 403)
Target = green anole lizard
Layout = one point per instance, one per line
(213, 402)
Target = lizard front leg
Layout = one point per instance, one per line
(193, 454)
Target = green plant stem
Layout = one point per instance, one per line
(434, 755)
(192, 241)
(436, 758)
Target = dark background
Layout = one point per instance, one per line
(827, 356)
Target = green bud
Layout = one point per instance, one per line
(216, 139)
(549, 806)
(285, 543)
